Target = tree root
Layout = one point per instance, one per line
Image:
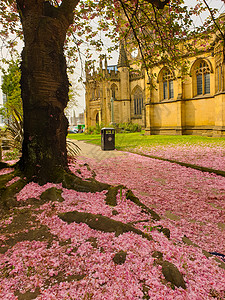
(120, 257)
(111, 195)
(133, 198)
(52, 194)
(68, 180)
(6, 178)
(4, 165)
(111, 200)
(7, 193)
(172, 274)
(28, 295)
(101, 223)
(71, 181)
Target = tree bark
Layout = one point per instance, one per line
(44, 88)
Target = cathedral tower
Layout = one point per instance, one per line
(124, 102)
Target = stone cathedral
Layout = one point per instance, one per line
(192, 104)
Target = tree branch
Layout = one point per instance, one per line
(214, 20)
(158, 27)
(67, 8)
(24, 5)
(136, 37)
(158, 4)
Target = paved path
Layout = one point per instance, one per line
(95, 151)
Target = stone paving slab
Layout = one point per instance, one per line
(95, 151)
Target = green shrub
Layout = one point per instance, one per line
(127, 127)
(98, 128)
(119, 127)
(132, 127)
(11, 155)
(90, 130)
(94, 129)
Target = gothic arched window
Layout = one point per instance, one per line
(167, 78)
(138, 101)
(202, 73)
(114, 91)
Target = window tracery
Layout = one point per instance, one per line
(202, 73)
(138, 101)
(167, 78)
(114, 91)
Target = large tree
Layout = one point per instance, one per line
(44, 81)
(44, 87)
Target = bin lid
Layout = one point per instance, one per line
(108, 128)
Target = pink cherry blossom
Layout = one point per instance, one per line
(78, 263)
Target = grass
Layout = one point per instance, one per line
(124, 141)
(85, 137)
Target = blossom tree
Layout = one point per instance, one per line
(113, 245)
(44, 81)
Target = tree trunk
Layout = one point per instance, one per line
(44, 88)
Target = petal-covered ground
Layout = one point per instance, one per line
(44, 257)
(188, 199)
(209, 156)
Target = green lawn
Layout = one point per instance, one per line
(85, 137)
(125, 141)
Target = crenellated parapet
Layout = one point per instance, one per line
(103, 72)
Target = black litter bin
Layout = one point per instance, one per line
(108, 138)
